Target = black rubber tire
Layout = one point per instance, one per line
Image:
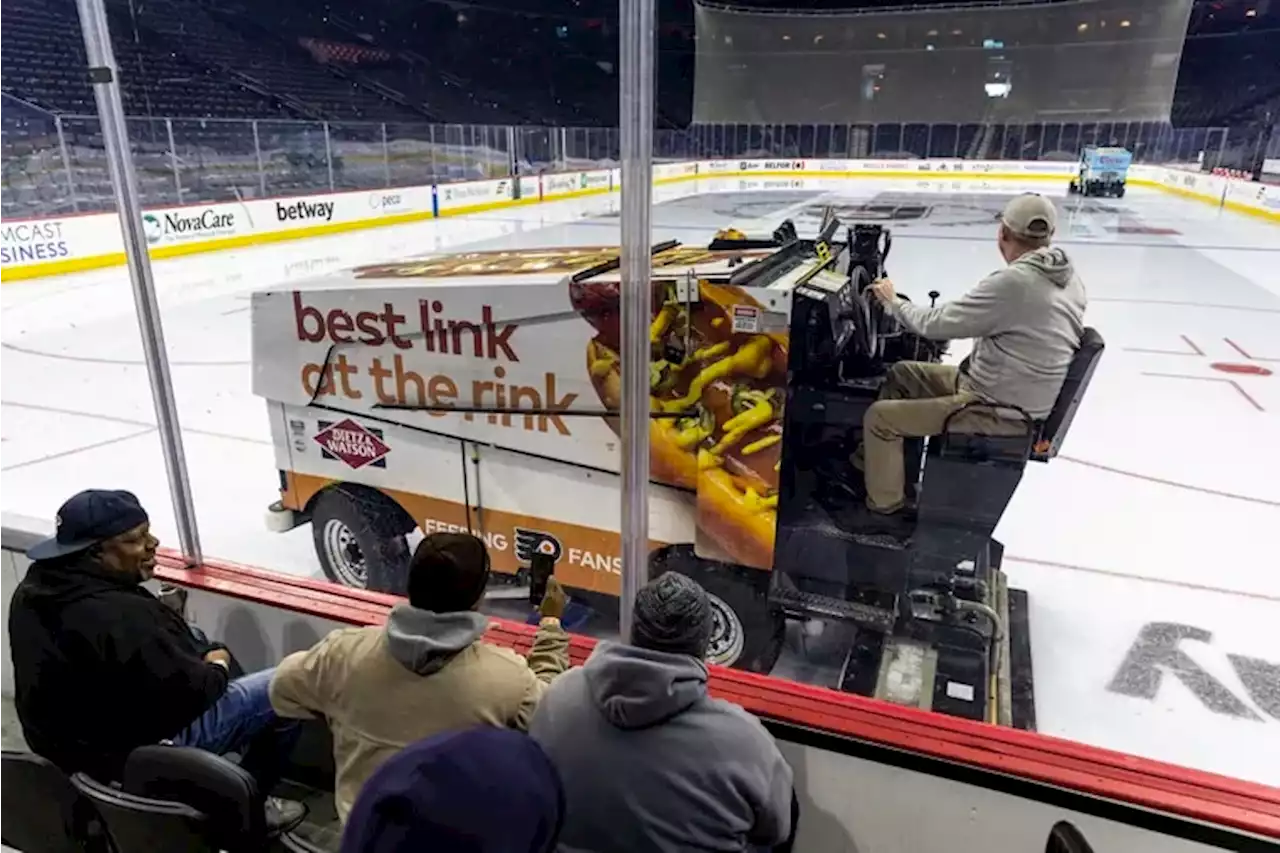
(376, 526)
(742, 590)
(1120, 191)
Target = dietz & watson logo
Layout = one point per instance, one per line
(301, 210)
(187, 226)
(356, 445)
(530, 542)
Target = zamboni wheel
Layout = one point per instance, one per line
(1120, 191)
(359, 537)
(1073, 188)
(748, 633)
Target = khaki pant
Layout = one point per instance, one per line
(915, 402)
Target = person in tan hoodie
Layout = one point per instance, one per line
(425, 672)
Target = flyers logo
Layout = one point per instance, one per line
(530, 542)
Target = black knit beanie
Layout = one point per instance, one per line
(673, 614)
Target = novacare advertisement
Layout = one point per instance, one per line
(187, 224)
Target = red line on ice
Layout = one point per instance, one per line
(1235, 346)
(1231, 382)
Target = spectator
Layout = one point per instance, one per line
(485, 790)
(427, 671)
(649, 761)
(102, 666)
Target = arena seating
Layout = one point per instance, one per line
(506, 62)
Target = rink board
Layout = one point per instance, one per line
(32, 248)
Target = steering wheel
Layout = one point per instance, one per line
(865, 339)
(881, 323)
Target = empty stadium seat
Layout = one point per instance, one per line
(42, 810)
(179, 798)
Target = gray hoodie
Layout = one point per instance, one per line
(1026, 319)
(650, 762)
(423, 641)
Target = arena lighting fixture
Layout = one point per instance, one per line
(1082, 27)
(957, 32)
(881, 36)
(932, 33)
(1251, 13)
(1124, 23)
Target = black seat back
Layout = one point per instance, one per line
(145, 825)
(210, 784)
(42, 811)
(1079, 374)
(1065, 838)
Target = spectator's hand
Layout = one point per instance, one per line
(883, 290)
(554, 600)
(219, 656)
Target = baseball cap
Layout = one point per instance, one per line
(1030, 215)
(87, 518)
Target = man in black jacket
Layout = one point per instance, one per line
(102, 666)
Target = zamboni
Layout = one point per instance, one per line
(480, 391)
(1101, 172)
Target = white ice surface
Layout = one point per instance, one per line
(1164, 506)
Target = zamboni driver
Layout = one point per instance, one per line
(1026, 321)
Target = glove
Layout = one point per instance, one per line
(554, 600)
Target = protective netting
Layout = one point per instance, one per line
(1021, 62)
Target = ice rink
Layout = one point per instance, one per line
(1148, 548)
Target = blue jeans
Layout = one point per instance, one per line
(243, 721)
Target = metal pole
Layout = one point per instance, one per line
(328, 154)
(173, 159)
(66, 164)
(635, 121)
(386, 157)
(431, 133)
(257, 154)
(106, 89)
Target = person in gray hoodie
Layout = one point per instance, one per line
(649, 761)
(1026, 321)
